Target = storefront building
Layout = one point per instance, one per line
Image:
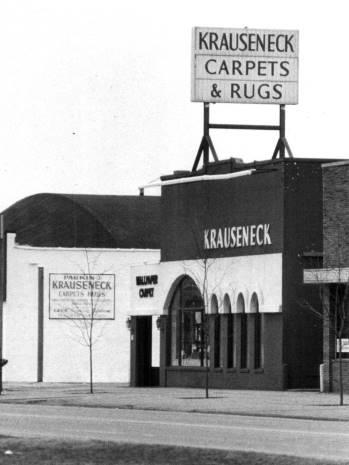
(68, 262)
(214, 266)
(233, 244)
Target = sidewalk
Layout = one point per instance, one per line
(289, 404)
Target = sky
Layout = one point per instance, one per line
(95, 94)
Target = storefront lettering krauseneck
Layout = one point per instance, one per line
(237, 236)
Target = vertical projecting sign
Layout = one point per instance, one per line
(244, 66)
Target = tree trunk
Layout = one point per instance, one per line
(91, 369)
(206, 357)
(341, 387)
(206, 377)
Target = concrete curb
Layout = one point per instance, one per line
(300, 405)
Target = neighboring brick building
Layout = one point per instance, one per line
(333, 276)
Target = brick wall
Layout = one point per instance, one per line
(328, 344)
(331, 375)
(336, 214)
(336, 254)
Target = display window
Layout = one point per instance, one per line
(230, 346)
(187, 325)
(217, 362)
(243, 331)
(258, 342)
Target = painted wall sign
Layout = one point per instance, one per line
(244, 66)
(240, 202)
(79, 296)
(146, 281)
(237, 236)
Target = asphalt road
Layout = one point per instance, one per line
(307, 438)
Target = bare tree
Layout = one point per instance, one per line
(200, 273)
(208, 276)
(339, 294)
(333, 286)
(334, 314)
(85, 313)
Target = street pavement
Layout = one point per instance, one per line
(304, 438)
(280, 404)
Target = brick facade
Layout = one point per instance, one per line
(336, 214)
(335, 375)
(336, 255)
(328, 345)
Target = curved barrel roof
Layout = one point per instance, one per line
(64, 220)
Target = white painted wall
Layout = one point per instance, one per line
(261, 274)
(65, 359)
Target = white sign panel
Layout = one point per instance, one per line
(345, 345)
(80, 296)
(244, 66)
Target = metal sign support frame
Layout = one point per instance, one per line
(206, 144)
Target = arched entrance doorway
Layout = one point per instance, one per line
(186, 314)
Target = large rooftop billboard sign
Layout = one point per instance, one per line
(244, 66)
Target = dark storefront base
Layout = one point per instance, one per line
(272, 376)
(220, 379)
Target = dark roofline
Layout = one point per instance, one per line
(231, 165)
(73, 197)
(85, 221)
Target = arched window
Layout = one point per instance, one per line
(243, 331)
(214, 304)
(229, 331)
(257, 331)
(226, 304)
(217, 332)
(186, 315)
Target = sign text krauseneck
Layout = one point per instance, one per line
(237, 236)
(82, 296)
(244, 66)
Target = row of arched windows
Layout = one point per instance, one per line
(240, 304)
(224, 337)
(243, 332)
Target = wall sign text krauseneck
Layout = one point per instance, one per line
(244, 66)
(81, 296)
(237, 236)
